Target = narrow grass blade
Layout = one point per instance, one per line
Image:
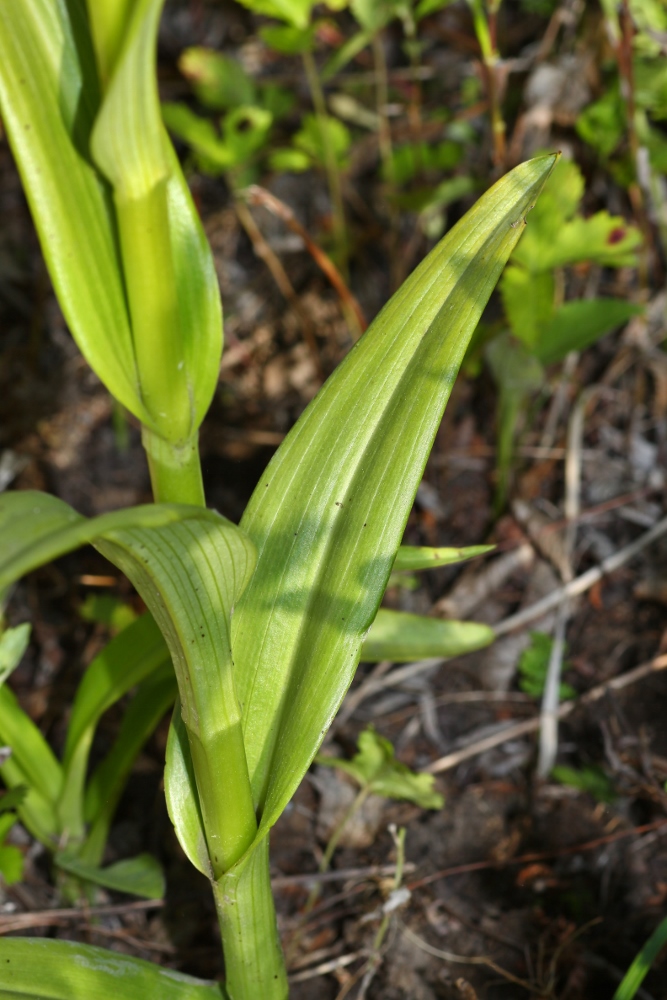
(329, 512)
(44, 969)
(154, 698)
(636, 974)
(141, 876)
(402, 637)
(32, 764)
(128, 659)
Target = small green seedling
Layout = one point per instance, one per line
(533, 667)
(590, 779)
(377, 772)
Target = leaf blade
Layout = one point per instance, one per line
(321, 524)
(403, 637)
(65, 970)
(48, 96)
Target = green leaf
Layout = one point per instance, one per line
(11, 864)
(373, 15)
(246, 130)
(10, 800)
(33, 765)
(533, 667)
(141, 876)
(13, 644)
(402, 637)
(44, 969)
(153, 699)
(36, 528)
(127, 141)
(190, 575)
(48, 114)
(602, 124)
(213, 155)
(289, 161)
(518, 375)
(555, 239)
(426, 7)
(329, 512)
(577, 325)
(375, 768)
(218, 80)
(528, 299)
(105, 609)
(288, 40)
(345, 54)
(180, 788)
(310, 139)
(412, 558)
(295, 12)
(169, 276)
(128, 659)
(588, 779)
(636, 974)
(605, 239)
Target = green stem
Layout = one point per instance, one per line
(175, 470)
(148, 267)
(331, 165)
(485, 29)
(221, 774)
(254, 965)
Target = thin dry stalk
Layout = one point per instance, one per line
(258, 195)
(512, 732)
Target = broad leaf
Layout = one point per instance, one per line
(329, 512)
(376, 769)
(218, 80)
(528, 299)
(36, 528)
(414, 557)
(141, 876)
(401, 637)
(44, 969)
(577, 325)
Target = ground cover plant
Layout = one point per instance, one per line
(426, 105)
